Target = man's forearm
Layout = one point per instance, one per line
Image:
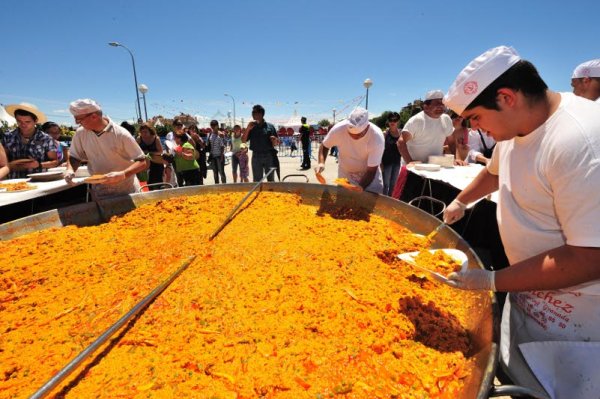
(561, 267)
(73, 164)
(368, 177)
(323, 151)
(136, 167)
(404, 151)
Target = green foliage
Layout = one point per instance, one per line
(381, 120)
(324, 122)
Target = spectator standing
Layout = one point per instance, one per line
(152, 147)
(361, 146)
(425, 133)
(586, 80)
(390, 161)
(216, 140)
(29, 150)
(200, 145)
(263, 139)
(108, 149)
(62, 151)
(186, 166)
(305, 140)
(4, 170)
(239, 157)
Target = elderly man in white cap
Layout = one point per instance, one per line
(424, 134)
(546, 167)
(108, 149)
(360, 144)
(586, 80)
(28, 149)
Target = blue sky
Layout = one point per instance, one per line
(298, 56)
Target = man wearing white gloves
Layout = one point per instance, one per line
(109, 150)
(546, 167)
(360, 144)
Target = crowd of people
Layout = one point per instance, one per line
(541, 151)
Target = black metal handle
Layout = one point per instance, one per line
(295, 175)
(516, 391)
(426, 197)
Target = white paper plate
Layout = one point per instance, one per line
(456, 254)
(430, 167)
(9, 181)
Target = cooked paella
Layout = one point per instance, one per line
(290, 300)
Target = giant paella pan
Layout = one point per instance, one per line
(300, 295)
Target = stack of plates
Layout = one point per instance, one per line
(46, 176)
(431, 167)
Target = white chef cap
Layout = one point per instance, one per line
(84, 106)
(358, 120)
(589, 69)
(478, 75)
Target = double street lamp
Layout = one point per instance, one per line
(367, 83)
(137, 97)
(233, 99)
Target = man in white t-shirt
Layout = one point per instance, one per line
(424, 134)
(546, 167)
(586, 80)
(109, 150)
(360, 146)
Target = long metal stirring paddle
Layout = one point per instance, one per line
(72, 365)
(234, 210)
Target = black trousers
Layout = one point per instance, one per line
(306, 155)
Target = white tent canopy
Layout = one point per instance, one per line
(294, 122)
(5, 117)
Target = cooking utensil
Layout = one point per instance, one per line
(72, 365)
(320, 178)
(234, 210)
(436, 230)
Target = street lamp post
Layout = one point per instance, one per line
(333, 117)
(137, 97)
(233, 99)
(367, 83)
(144, 89)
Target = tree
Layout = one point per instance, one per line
(324, 122)
(381, 120)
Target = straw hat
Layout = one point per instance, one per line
(11, 108)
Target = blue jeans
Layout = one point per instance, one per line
(390, 175)
(262, 162)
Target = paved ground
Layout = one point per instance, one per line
(290, 165)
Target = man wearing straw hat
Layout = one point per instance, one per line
(546, 169)
(109, 149)
(29, 150)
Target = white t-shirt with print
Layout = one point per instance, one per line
(355, 156)
(114, 150)
(427, 135)
(548, 197)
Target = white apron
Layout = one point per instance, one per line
(551, 339)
